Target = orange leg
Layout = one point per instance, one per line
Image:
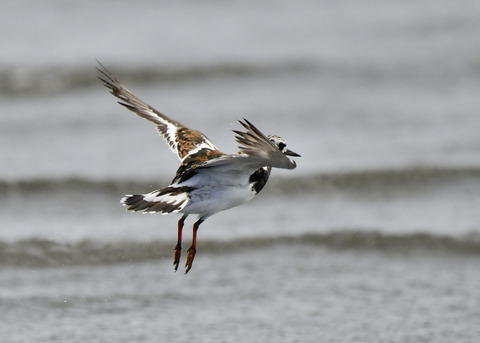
(193, 249)
(178, 247)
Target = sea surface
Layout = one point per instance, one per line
(374, 237)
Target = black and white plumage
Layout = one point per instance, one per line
(208, 180)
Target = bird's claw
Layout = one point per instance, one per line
(176, 260)
(191, 255)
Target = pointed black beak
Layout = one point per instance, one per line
(291, 153)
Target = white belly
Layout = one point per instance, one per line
(212, 196)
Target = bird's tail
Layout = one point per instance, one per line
(168, 200)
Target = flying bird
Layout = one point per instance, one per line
(208, 180)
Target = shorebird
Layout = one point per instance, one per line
(208, 180)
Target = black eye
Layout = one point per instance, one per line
(281, 146)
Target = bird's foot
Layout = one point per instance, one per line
(176, 259)
(191, 255)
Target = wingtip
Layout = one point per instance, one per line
(246, 121)
(103, 68)
(108, 78)
(246, 124)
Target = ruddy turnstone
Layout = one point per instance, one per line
(208, 180)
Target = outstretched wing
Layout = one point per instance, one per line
(256, 151)
(182, 140)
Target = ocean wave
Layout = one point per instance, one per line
(27, 81)
(48, 80)
(417, 177)
(48, 253)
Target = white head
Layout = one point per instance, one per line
(280, 143)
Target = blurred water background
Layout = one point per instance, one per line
(375, 237)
